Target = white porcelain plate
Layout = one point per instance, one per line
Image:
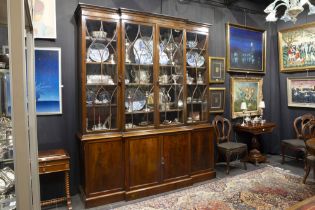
(194, 59)
(143, 50)
(98, 52)
(135, 98)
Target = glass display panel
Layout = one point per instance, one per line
(101, 75)
(7, 175)
(171, 104)
(138, 72)
(196, 77)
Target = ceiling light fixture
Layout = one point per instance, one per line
(293, 9)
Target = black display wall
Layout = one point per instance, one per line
(58, 131)
(288, 114)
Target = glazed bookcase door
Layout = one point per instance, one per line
(170, 76)
(196, 77)
(138, 42)
(101, 75)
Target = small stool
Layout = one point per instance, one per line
(53, 161)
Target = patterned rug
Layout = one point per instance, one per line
(266, 188)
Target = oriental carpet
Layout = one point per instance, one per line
(266, 188)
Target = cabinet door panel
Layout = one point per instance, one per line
(202, 150)
(144, 161)
(104, 166)
(176, 155)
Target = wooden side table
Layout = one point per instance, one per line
(255, 155)
(53, 161)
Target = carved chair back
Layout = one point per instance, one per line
(222, 128)
(308, 130)
(299, 124)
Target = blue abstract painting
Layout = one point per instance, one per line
(48, 81)
(246, 47)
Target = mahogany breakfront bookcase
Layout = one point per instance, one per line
(143, 104)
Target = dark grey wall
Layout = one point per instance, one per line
(59, 131)
(288, 114)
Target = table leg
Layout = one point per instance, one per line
(255, 155)
(68, 190)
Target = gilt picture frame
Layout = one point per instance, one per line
(301, 92)
(246, 49)
(247, 90)
(297, 48)
(216, 70)
(216, 99)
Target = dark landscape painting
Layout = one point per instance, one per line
(301, 92)
(246, 49)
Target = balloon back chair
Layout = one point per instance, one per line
(298, 143)
(309, 132)
(226, 147)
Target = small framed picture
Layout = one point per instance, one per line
(217, 69)
(301, 92)
(217, 100)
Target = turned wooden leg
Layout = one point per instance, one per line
(67, 186)
(282, 151)
(245, 159)
(307, 171)
(227, 155)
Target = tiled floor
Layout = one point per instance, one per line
(296, 167)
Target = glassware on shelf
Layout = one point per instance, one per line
(164, 79)
(141, 76)
(112, 59)
(175, 77)
(146, 109)
(165, 100)
(127, 47)
(199, 79)
(189, 79)
(129, 101)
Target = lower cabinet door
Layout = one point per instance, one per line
(176, 155)
(144, 163)
(104, 161)
(202, 157)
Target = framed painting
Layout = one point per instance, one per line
(44, 19)
(217, 69)
(301, 92)
(248, 90)
(246, 49)
(48, 81)
(217, 100)
(297, 48)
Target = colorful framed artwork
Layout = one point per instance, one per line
(301, 92)
(217, 100)
(44, 19)
(217, 69)
(48, 81)
(246, 49)
(247, 90)
(297, 48)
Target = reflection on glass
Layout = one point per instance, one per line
(139, 99)
(101, 75)
(196, 77)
